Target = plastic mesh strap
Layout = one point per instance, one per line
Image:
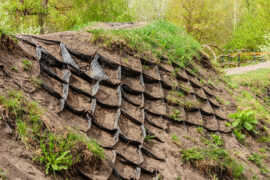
(67, 57)
(96, 70)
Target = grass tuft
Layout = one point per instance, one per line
(213, 161)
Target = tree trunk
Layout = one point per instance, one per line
(42, 16)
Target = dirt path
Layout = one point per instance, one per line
(245, 69)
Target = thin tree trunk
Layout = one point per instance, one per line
(42, 16)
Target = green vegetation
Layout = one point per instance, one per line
(15, 69)
(175, 115)
(176, 140)
(149, 138)
(2, 174)
(244, 120)
(257, 159)
(58, 151)
(213, 161)
(31, 16)
(256, 82)
(27, 65)
(190, 104)
(253, 104)
(161, 38)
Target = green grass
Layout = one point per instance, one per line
(213, 161)
(256, 82)
(257, 159)
(175, 115)
(159, 38)
(58, 151)
(2, 174)
(27, 65)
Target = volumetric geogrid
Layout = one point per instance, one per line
(209, 112)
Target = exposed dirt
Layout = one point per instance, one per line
(124, 108)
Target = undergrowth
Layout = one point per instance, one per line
(159, 39)
(243, 121)
(214, 161)
(57, 150)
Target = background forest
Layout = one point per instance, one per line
(229, 24)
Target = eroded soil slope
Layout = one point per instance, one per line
(130, 105)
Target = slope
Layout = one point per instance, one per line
(142, 100)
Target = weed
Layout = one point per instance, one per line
(149, 138)
(244, 120)
(264, 139)
(191, 104)
(27, 65)
(255, 158)
(217, 140)
(15, 68)
(2, 174)
(180, 94)
(175, 115)
(36, 81)
(125, 60)
(210, 82)
(200, 130)
(212, 160)
(55, 161)
(189, 138)
(176, 140)
(239, 136)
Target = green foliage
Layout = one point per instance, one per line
(217, 140)
(190, 104)
(2, 174)
(244, 120)
(257, 82)
(175, 115)
(175, 137)
(52, 149)
(239, 136)
(251, 30)
(257, 159)
(53, 160)
(27, 65)
(161, 38)
(213, 160)
(15, 69)
(149, 138)
(31, 16)
(200, 130)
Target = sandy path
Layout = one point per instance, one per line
(244, 69)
